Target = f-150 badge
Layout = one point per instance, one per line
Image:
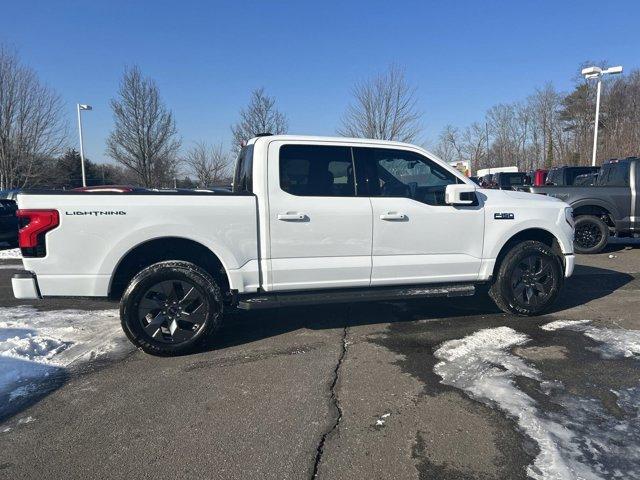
(503, 216)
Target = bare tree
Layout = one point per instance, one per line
(32, 127)
(209, 164)
(260, 116)
(384, 108)
(144, 138)
(449, 146)
(473, 144)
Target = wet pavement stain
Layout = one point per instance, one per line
(583, 394)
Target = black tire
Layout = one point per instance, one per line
(592, 234)
(177, 319)
(529, 279)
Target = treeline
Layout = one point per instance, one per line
(551, 128)
(547, 128)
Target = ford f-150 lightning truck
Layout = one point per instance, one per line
(309, 220)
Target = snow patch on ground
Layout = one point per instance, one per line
(579, 440)
(560, 324)
(37, 345)
(615, 342)
(13, 253)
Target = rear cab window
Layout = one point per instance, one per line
(243, 175)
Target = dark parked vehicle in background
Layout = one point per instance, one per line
(586, 180)
(486, 181)
(610, 206)
(8, 223)
(565, 176)
(510, 180)
(9, 194)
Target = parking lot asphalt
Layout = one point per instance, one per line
(419, 389)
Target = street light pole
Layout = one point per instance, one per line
(597, 122)
(597, 72)
(80, 108)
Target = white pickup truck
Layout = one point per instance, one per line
(309, 220)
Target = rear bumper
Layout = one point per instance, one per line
(25, 286)
(569, 263)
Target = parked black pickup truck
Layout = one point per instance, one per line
(610, 206)
(8, 223)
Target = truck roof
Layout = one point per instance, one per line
(620, 160)
(312, 138)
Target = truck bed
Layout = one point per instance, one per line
(615, 200)
(98, 229)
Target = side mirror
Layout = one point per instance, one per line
(459, 194)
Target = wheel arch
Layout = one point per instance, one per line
(597, 208)
(158, 249)
(535, 233)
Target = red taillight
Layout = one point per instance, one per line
(33, 225)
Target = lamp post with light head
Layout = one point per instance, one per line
(597, 72)
(81, 107)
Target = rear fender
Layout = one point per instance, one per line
(123, 246)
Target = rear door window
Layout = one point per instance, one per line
(317, 171)
(615, 175)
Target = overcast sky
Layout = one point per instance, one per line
(207, 56)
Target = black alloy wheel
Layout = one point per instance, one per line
(588, 236)
(170, 306)
(528, 279)
(173, 311)
(591, 234)
(532, 280)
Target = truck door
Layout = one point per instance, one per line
(417, 238)
(320, 231)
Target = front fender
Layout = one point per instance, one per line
(563, 234)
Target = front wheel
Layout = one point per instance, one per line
(528, 280)
(169, 307)
(592, 234)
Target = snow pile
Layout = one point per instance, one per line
(32, 347)
(35, 345)
(481, 365)
(579, 440)
(12, 254)
(615, 342)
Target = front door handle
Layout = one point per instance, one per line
(291, 217)
(391, 216)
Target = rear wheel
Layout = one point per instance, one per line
(169, 307)
(528, 280)
(592, 234)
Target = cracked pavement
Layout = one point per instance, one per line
(328, 392)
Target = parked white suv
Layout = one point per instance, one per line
(309, 220)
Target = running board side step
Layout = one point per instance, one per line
(371, 294)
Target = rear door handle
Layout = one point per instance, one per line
(391, 216)
(291, 217)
